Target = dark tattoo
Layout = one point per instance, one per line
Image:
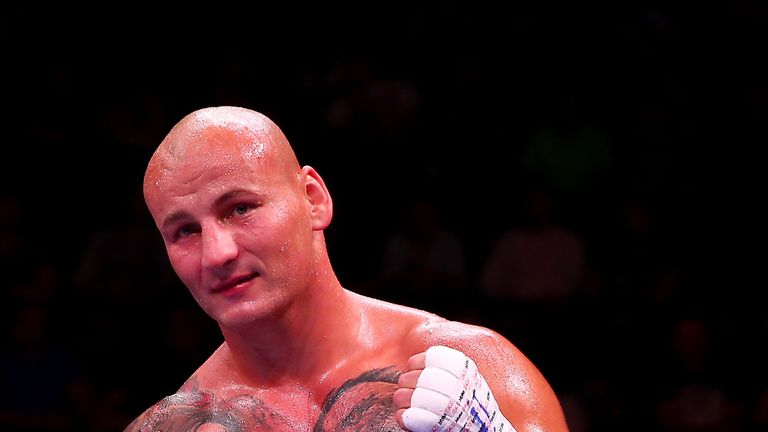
(189, 409)
(361, 404)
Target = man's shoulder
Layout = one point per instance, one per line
(416, 330)
(460, 335)
(428, 328)
(521, 390)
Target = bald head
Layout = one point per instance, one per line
(211, 133)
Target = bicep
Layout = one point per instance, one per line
(524, 395)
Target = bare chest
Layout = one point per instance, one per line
(363, 403)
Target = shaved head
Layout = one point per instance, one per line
(244, 134)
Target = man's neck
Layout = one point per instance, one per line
(304, 343)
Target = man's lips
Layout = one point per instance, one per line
(232, 283)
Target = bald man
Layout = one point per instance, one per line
(243, 227)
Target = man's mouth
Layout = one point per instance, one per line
(232, 285)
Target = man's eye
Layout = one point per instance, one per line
(185, 231)
(240, 209)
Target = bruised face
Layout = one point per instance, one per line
(231, 203)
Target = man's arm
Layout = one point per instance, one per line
(518, 390)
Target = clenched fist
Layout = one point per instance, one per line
(442, 391)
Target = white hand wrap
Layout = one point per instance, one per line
(451, 395)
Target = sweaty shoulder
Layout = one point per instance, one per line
(420, 329)
(394, 323)
(524, 395)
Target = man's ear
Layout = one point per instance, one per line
(319, 198)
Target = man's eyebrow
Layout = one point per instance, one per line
(173, 218)
(234, 193)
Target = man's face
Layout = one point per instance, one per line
(235, 223)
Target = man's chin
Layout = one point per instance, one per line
(246, 314)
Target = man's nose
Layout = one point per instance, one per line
(219, 247)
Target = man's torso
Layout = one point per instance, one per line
(363, 403)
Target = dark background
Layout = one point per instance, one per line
(395, 103)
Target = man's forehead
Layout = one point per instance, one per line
(205, 161)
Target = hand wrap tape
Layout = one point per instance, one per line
(452, 395)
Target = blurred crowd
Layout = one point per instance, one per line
(554, 191)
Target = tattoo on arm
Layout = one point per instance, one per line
(363, 403)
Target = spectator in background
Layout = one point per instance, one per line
(42, 387)
(695, 391)
(423, 264)
(571, 154)
(531, 274)
(541, 262)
